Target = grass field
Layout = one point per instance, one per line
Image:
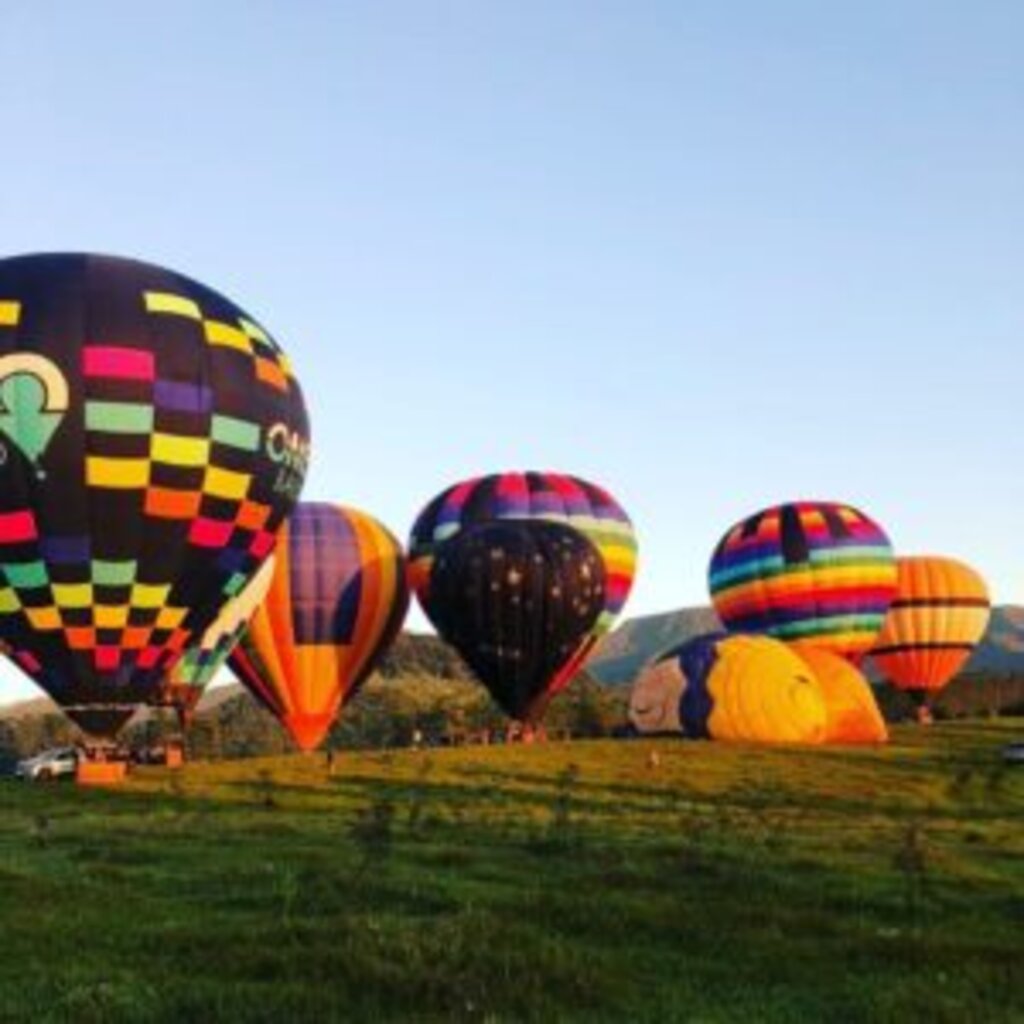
(560, 882)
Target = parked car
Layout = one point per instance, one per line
(1014, 752)
(61, 762)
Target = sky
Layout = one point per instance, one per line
(711, 255)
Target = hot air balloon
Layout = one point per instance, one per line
(939, 615)
(517, 599)
(337, 600)
(850, 706)
(186, 682)
(550, 497)
(730, 687)
(819, 573)
(152, 440)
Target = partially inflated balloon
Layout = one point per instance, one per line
(152, 439)
(734, 688)
(939, 615)
(549, 497)
(517, 599)
(656, 701)
(337, 600)
(187, 680)
(817, 572)
(850, 705)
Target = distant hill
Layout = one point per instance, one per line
(636, 642)
(1003, 647)
(25, 709)
(38, 707)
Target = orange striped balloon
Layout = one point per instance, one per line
(939, 615)
(337, 601)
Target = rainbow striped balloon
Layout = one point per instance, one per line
(820, 573)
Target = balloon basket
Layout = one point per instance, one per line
(174, 757)
(101, 773)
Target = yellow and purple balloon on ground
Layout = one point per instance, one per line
(736, 688)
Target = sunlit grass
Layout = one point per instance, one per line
(585, 881)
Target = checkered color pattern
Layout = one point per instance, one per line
(153, 497)
(270, 365)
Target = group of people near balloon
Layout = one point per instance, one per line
(153, 446)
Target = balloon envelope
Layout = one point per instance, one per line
(152, 439)
(336, 602)
(549, 497)
(818, 572)
(851, 709)
(939, 615)
(517, 599)
(733, 688)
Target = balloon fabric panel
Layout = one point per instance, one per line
(851, 709)
(153, 439)
(763, 692)
(325, 590)
(517, 599)
(697, 660)
(655, 702)
(187, 680)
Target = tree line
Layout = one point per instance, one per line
(425, 695)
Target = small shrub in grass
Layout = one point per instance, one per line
(911, 861)
(561, 833)
(265, 787)
(113, 999)
(40, 831)
(695, 829)
(416, 816)
(287, 884)
(372, 832)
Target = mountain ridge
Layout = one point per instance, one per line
(626, 650)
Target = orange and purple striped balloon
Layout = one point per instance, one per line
(337, 601)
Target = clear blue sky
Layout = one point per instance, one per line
(708, 254)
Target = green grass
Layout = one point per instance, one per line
(560, 882)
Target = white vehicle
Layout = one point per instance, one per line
(1014, 752)
(60, 762)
